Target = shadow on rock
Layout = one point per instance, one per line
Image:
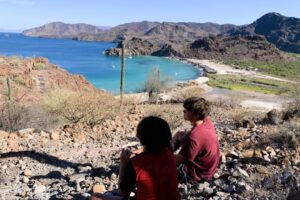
(45, 158)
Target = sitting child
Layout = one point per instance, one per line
(152, 172)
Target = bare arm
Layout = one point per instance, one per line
(124, 159)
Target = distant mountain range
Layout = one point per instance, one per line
(165, 30)
(283, 32)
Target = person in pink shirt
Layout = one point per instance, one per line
(199, 156)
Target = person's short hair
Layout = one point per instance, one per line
(198, 106)
(154, 133)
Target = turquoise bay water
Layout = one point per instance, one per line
(87, 59)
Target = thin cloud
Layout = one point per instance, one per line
(19, 2)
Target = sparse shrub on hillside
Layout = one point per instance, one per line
(15, 61)
(286, 135)
(230, 102)
(239, 113)
(172, 113)
(39, 66)
(24, 117)
(19, 80)
(2, 80)
(155, 84)
(14, 115)
(293, 108)
(89, 108)
(186, 93)
(130, 100)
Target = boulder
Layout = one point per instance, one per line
(273, 117)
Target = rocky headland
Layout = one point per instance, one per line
(32, 77)
(212, 47)
(62, 30)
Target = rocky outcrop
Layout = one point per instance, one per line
(36, 76)
(248, 47)
(282, 31)
(212, 47)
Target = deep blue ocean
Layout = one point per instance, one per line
(87, 59)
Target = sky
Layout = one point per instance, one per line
(23, 14)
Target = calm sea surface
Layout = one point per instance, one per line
(86, 58)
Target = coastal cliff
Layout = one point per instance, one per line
(36, 76)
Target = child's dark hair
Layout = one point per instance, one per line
(154, 133)
(198, 106)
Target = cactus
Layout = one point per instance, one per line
(122, 75)
(10, 104)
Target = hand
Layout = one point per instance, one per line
(179, 136)
(125, 155)
(138, 150)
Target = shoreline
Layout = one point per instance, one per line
(247, 99)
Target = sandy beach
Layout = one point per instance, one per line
(247, 99)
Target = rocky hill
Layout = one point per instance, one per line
(282, 31)
(33, 77)
(61, 30)
(211, 47)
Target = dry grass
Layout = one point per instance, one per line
(87, 108)
(39, 66)
(293, 108)
(2, 80)
(172, 113)
(22, 115)
(239, 113)
(286, 135)
(15, 61)
(20, 80)
(185, 93)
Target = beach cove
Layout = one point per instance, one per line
(87, 59)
